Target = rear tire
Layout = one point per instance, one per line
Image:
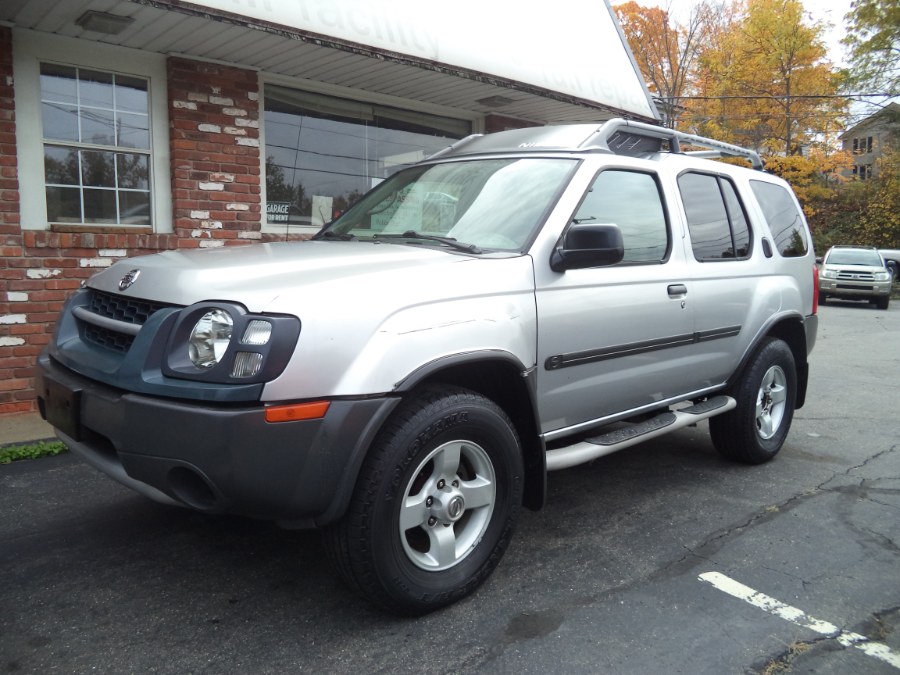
(756, 429)
(435, 503)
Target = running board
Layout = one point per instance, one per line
(619, 439)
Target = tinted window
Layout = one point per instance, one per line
(715, 217)
(740, 230)
(632, 201)
(784, 218)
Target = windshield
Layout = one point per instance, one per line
(488, 204)
(854, 257)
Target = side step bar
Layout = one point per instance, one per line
(619, 439)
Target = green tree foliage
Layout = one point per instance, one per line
(873, 38)
(879, 222)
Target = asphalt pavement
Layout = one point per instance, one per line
(660, 559)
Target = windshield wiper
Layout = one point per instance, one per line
(449, 241)
(328, 234)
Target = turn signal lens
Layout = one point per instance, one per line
(297, 411)
(257, 333)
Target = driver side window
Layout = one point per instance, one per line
(631, 200)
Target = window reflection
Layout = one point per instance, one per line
(88, 116)
(783, 217)
(716, 219)
(323, 153)
(630, 200)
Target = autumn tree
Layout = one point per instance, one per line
(665, 50)
(765, 81)
(816, 178)
(873, 37)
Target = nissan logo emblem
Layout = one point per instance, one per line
(456, 507)
(129, 279)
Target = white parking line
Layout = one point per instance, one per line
(728, 585)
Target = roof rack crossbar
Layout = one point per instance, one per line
(600, 140)
(455, 146)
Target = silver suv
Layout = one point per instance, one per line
(521, 303)
(855, 273)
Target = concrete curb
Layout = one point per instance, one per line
(22, 428)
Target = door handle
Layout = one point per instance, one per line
(676, 290)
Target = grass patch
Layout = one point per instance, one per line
(13, 453)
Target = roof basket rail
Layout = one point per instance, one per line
(606, 139)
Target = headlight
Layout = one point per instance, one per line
(829, 274)
(220, 342)
(882, 276)
(210, 338)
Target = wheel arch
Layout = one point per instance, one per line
(791, 330)
(502, 378)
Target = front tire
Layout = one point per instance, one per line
(756, 429)
(435, 504)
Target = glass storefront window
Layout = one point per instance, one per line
(323, 153)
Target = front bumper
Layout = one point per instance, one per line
(854, 290)
(214, 458)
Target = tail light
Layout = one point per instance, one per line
(815, 309)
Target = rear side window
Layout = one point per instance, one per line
(715, 216)
(631, 200)
(784, 218)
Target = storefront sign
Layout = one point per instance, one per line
(278, 212)
(573, 47)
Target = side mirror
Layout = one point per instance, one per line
(588, 245)
(818, 260)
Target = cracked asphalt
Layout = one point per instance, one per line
(604, 580)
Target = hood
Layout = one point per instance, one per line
(258, 275)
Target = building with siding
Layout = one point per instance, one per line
(867, 140)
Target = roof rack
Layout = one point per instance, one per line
(616, 136)
(624, 136)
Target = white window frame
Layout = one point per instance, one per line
(30, 49)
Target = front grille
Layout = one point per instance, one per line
(120, 308)
(104, 337)
(856, 276)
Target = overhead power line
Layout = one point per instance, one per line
(770, 96)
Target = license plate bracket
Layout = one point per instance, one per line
(62, 406)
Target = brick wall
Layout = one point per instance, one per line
(214, 145)
(16, 349)
(215, 173)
